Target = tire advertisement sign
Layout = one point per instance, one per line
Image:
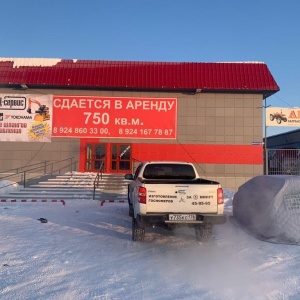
(114, 117)
(280, 116)
(25, 118)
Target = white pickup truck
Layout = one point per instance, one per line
(170, 194)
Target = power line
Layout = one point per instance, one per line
(283, 101)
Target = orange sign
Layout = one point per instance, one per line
(114, 117)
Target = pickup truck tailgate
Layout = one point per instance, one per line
(182, 198)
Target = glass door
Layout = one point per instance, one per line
(95, 157)
(121, 158)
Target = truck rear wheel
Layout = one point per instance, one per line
(138, 231)
(203, 233)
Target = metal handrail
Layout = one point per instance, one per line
(98, 178)
(24, 174)
(18, 170)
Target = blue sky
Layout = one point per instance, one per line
(161, 30)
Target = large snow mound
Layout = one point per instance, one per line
(269, 208)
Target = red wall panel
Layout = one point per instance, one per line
(208, 154)
(204, 154)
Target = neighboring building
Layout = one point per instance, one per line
(286, 140)
(117, 113)
(284, 153)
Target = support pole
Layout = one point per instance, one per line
(265, 143)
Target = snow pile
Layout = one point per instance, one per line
(269, 208)
(8, 187)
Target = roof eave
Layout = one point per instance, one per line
(21, 86)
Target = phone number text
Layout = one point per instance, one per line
(106, 131)
(201, 203)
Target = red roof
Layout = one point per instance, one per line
(169, 76)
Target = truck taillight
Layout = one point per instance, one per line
(142, 194)
(220, 196)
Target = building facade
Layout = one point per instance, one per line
(112, 115)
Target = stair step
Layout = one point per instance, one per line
(82, 182)
(105, 180)
(74, 185)
(86, 187)
(62, 197)
(47, 185)
(43, 192)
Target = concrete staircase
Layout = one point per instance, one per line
(73, 185)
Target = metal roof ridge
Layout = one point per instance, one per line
(34, 61)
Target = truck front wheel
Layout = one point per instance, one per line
(203, 232)
(138, 231)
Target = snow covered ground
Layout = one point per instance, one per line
(85, 251)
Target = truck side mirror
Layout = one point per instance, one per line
(129, 176)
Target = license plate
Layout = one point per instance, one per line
(182, 217)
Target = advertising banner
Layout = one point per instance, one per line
(280, 116)
(25, 118)
(114, 117)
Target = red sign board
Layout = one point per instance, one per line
(114, 117)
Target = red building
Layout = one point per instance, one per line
(116, 113)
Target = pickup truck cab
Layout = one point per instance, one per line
(170, 194)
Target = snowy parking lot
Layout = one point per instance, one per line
(85, 251)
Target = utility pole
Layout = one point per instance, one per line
(265, 143)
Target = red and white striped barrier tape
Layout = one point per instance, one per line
(111, 201)
(33, 200)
